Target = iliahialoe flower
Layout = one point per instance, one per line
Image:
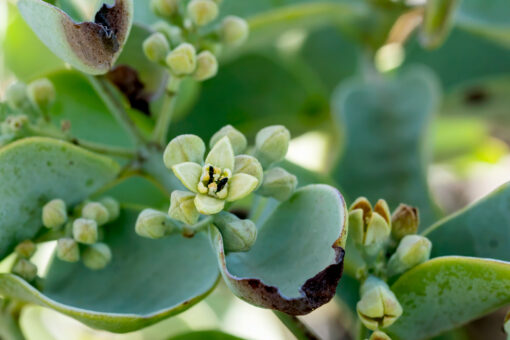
(220, 178)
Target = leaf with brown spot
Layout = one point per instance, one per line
(91, 47)
(297, 260)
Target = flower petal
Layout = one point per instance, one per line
(240, 186)
(189, 174)
(208, 205)
(221, 155)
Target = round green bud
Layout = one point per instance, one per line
(404, 221)
(271, 144)
(25, 269)
(156, 47)
(237, 139)
(378, 307)
(378, 335)
(411, 251)
(173, 34)
(202, 12)
(97, 212)
(155, 224)
(238, 235)
(182, 60)
(68, 250)
(113, 207)
(234, 30)
(85, 231)
(97, 256)
(41, 93)
(184, 148)
(25, 249)
(54, 214)
(182, 207)
(278, 183)
(16, 95)
(15, 125)
(165, 8)
(207, 66)
(249, 165)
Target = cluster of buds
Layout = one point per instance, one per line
(378, 234)
(180, 43)
(82, 230)
(38, 95)
(214, 181)
(23, 267)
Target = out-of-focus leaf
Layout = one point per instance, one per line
(447, 292)
(209, 335)
(297, 259)
(385, 123)
(91, 47)
(34, 171)
(491, 19)
(437, 21)
(481, 230)
(146, 282)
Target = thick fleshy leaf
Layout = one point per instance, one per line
(208, 205)
(385, 123)
(91, 47)
(240, 186)
(36, 170)
(481, 230)
(189, 174)
(446, 292)
(297, 259)
(221, 155)
(137, 288)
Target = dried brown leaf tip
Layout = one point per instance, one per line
(91, 46)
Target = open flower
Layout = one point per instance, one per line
(214, 181)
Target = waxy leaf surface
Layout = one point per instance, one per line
(34, 171)
(297, 259)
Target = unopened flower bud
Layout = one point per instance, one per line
(173, 34)
(165, 8)
(238, 235)
(154, 224)
(207, 66)
(202, 12)
(97, 256)
(16, 95)
(378, 307)
(26, 269)
(15, 125)
(249, 165)
(237, 139)
(378, 335)
(113, 207)
(97, 212)
(278, 183)
(182, 60)
(412, 251)
(85, 231)
(68, 250)
(156, 47)
(184, 148)
(404, 221)
(25, 249)
(182, 207)
(41, 92)
(369, 227)
(271, 144)
(234, 30)
(54, 214)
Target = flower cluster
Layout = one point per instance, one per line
(227, 173)
(182, 46)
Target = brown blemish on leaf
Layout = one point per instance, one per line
(126, 79)
(96, 43)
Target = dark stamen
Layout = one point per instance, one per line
(221, 184)
(211, 174)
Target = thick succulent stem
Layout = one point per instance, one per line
(295, 326)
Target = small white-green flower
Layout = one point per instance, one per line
(213, 181)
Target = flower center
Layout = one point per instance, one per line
(214, 181)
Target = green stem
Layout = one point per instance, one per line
(167, 110)
(114, 104)
(362, 333)
(295, 326)
(9, 327)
